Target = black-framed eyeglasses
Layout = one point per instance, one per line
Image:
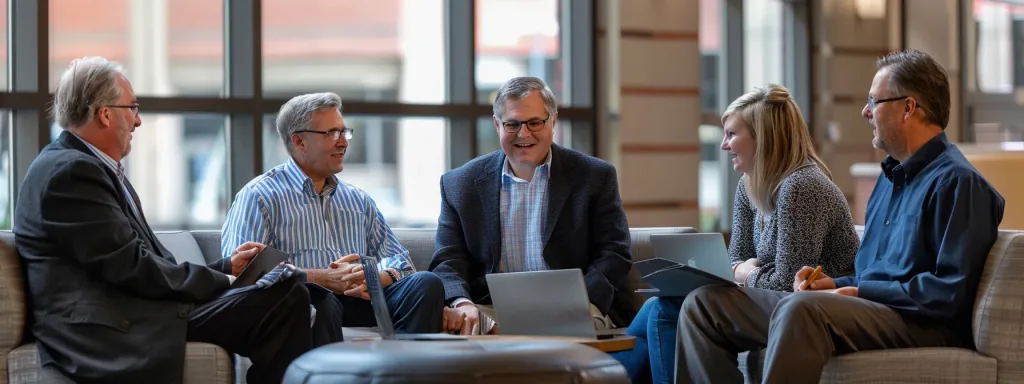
(133, 107)
(513, 126)
(333, 134)
(872, 103)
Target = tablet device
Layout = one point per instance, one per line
(263, 262)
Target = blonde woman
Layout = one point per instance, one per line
(787, 214)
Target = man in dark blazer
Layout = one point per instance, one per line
(531, 206)
(108, 302)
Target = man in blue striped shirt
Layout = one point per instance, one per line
(324, 224)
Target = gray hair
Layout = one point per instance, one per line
(88, 84)
(915, 73)
(297, 114)
(520, 87)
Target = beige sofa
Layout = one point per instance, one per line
(998, 335)
(205, 363)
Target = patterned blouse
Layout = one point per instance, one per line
(811, 226)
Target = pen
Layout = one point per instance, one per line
(810, 279)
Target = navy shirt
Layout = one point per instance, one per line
(931, 222)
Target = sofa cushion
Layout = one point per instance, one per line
(911, 365)
(997, 315)
(204, 363)
(209, 243)
(12, 303)
(182, 245)
(420, 243)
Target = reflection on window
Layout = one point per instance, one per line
(762, 42)
(1000, 34)
(380, 50)
(167, 48)
(518, 38)
(5, 169)
(178, 165)
(398, 161)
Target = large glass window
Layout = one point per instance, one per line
(167, 47)
(518, 38)
(380, 50)
(1000, 42)
(398, 161)
(5, 170)
(762, 42)
(3, 46)
(710, 130)
(179, 167)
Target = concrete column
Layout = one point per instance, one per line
(658, 62)
(932, 28)
(421, 141)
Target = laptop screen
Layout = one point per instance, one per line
(377, 300)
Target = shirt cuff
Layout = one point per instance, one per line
(877, 291)
(231, 278)
(845, 281)
(460, 301)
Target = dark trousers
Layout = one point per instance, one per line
(415, 303)
(269, 326)
(799, 331)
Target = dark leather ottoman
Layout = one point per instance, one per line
(485, 361)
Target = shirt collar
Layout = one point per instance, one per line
(919, 160)
(109, 161)
(298, 177)
(506, 169)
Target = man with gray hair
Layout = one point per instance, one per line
(109, 302)
(531, 206)
(325, 224)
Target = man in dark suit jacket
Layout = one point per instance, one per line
(109, 302)
(531, 206)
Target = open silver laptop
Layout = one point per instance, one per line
(543, 303)
(383, 314)
(704, 251)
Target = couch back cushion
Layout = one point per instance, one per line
(12, 300)
(182, 245)
(999, 309)
(419, 242)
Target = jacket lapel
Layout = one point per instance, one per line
(488, 187)
(560, 183)
(71, 141)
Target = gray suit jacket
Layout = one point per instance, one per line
(108, 302)
(586, 228)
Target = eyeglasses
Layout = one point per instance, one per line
(133, 107)
(513, 126)
(872, 103)
(333, 134)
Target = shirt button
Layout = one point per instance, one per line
(125, 324)
(887, 222)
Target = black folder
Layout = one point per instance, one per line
(671, 279)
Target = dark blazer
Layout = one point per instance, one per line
(586, 228)
(108, 302)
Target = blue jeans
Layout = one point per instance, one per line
(653, 358)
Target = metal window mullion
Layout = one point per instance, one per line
(730, 82)
(460, 42)
(28, 52)
(579, 53)
(243, 76)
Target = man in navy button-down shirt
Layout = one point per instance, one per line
(931, 221)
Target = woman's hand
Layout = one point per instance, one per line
(743, 270)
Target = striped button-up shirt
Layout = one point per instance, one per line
(119, 170)
(524, 207)
(282, 209)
